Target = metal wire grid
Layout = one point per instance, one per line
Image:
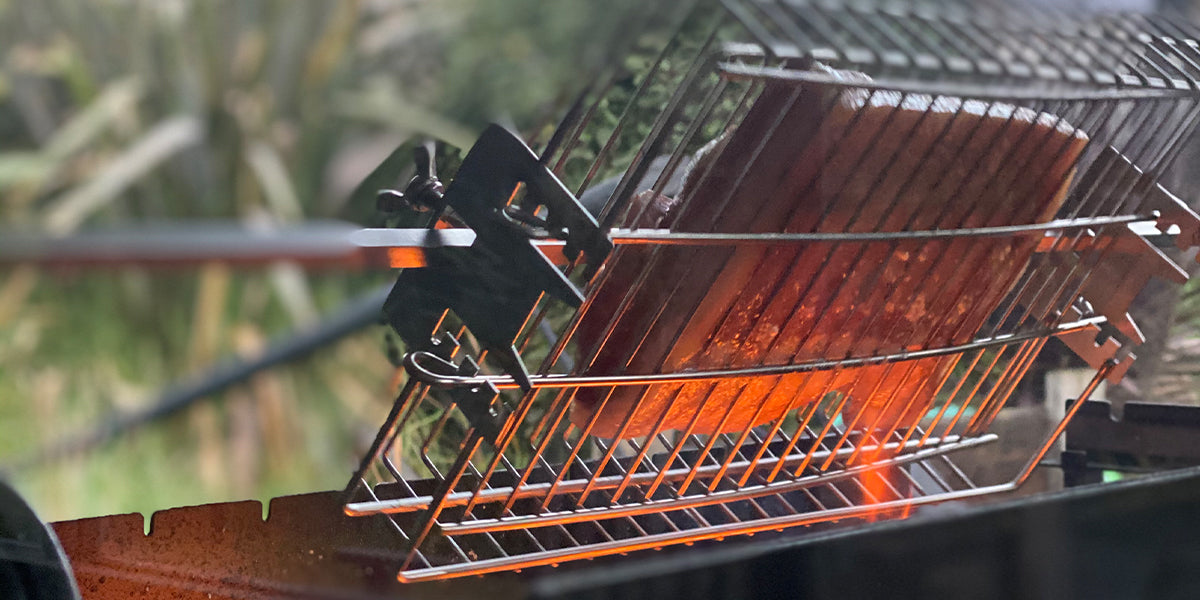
(539, 489)
(1017, 41)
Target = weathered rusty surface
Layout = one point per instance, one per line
(228, 551)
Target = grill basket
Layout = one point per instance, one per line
(849, 423)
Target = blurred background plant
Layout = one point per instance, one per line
(129, 111)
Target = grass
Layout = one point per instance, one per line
(119, 112)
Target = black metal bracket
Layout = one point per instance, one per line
(490, 173)
(494, 284)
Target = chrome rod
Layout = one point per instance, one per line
(496, 494)
(738, 71)
(706, 499)
(413, 362)
(691, 535)
(666, 237)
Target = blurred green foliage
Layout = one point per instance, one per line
(119, 111)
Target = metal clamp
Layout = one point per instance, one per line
(495, 282)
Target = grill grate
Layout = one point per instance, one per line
(868, 422)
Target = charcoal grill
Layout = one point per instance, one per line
(523, 485)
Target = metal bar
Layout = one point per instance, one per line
(937, 328)
(973, 394)
(428, 519)
(566, 136)
(753, 26)
(315, 244)
(818, 24)
(438, 425)
(992, 399)
(662, 126)
(609, 327)
(802, 425)
(553, 417)
(537, 490)
(739, 72)
(879, 269)
(706, 108)
(622, 121)
(728, 197)
(937, 419)
(406, 247)
(543, 381)
(985, 411)
(1101, 373)
(897, 423)
(711, 498)
(717, 531)
(509, 431)
(738, 444)
(880, 382)
(641, 456)
(1014, 371)
(966, 47)
(674, 455)
(623, 237)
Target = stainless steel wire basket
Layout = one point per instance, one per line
(841, 234)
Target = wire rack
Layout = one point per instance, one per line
(724, 372)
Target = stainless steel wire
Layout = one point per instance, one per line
(545, 486)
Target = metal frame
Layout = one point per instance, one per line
(527, 487)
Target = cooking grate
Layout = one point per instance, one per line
(849, 403)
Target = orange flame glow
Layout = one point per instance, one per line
(882, 416)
